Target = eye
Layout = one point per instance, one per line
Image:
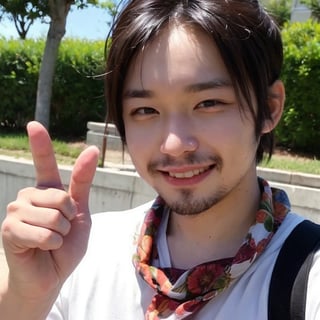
(143, 112)
(209, 104)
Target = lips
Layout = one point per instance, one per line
(184, 177)
(187, 174)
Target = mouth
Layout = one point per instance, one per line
(184, 174)
(188, 174)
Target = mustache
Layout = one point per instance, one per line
(188, 159)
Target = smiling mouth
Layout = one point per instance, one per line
(188, 174)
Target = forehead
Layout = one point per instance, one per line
(181, 54)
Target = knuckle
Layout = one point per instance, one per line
(8, 230)
(13, 206)
(25, 193)
(66, 205)
(49, 240)
(55, 217)
(60, 196)
(5, 227)
(59, 222)
(65, 199)
(18, 209)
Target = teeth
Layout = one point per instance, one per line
(187, 174)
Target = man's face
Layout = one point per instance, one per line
(184, 131)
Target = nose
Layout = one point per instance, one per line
(179, 139)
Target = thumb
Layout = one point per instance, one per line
(82, 177)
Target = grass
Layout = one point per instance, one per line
(14, 142)
(18, 147)
(293, 163)
(66, 153)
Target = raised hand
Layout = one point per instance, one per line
(46, 230)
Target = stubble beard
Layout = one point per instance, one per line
(190, 205)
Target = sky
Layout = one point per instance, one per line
(89, 23)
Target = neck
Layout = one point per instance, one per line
(216, 233)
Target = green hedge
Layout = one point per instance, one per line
(300, 125)
(77, 94)
(78, 97)
(19, 66)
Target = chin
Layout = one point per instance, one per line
(190, 205)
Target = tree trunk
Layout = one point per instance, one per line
(59, 10)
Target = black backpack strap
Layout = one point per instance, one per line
(289, 281)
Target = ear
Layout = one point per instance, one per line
(276, 101)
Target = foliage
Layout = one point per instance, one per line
(24, 13)
(77, 87)
(77, 95)
(300, 125)
(19, 66)
(314, 6)
(280, 10)
(57, 11)
(111, 7)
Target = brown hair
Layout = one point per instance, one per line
(246, 36)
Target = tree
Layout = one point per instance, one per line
(111, 7)
(58, 12)
(280, 10)
(23, 13)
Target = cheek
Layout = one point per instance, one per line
(139, 145)
(223, 131)
(231, 134)
(141, 135)
(242, 141)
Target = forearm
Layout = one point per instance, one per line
(15, 307)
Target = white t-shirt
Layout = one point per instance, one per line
(105, 285)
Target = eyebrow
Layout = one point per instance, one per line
(213, 84)
(137, 93)
(196, 87)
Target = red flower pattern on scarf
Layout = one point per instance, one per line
(203, 279)
(184, 292)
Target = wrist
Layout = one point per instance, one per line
(14, 305)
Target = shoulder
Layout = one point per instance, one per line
(115, 227)
(303, 237)
(125, 219)
(291, 221)
(138, 211)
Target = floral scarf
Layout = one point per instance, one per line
(183, 292)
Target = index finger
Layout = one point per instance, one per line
(47, 173)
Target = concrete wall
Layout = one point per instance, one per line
(96, 132)
(115, 189)
(112, 189)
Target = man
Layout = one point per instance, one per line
(193, 87)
